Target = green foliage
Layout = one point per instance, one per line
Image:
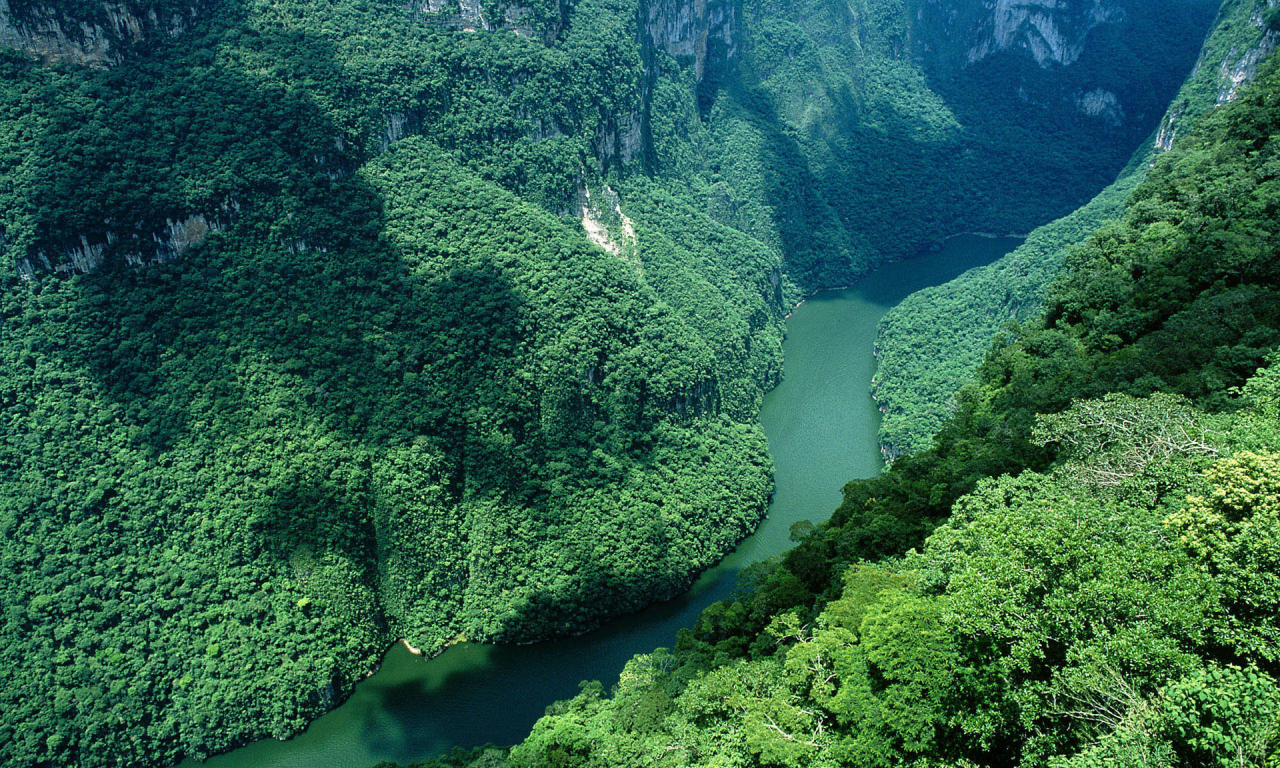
(300, 353)
(1224, 716)
(932, 343)
(1047, 623)
(410, 436)
(1115, 438)
(1234, 530)
(380, 395)
(1180, 296)
(1101, 589)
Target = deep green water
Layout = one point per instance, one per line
(821, 424)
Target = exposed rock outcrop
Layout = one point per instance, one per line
(1169, 128)
(704, 33)
(469, 16)
(620, 139)
(1237, 71)
(703, 397)
(84, 252)
(1226, 68)
(1102, 104)
(1052, 32)
(605, 223)
(465, 15)
(46, 31)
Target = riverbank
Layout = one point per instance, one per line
(822, 427)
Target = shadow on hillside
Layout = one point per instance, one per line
(269, 371)
(266, 370)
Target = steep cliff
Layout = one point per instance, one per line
(933, 342)
(704, 34)
(539, 20)
(1050, 31)
(1246, 32)
(87, 33)
(1090, 53)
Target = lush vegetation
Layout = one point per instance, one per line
(1080, 572)
(931, 344)
(303, 347)
(840, 143)
(382, 397)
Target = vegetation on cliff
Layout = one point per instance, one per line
(1080, 572)
(931, 344)
(303, 346)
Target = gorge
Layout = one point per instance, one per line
(822, 431)
(327, 325)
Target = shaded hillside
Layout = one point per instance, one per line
(933, 342)
(1100, 586)
(326, 324)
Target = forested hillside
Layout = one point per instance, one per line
(1081, 572)
(932, 343)
(327, 324)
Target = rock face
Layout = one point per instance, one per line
(469, 16)
(1052, 32)
(605, 224)
(48, 32)
(1226, 67)
(466, 15)
(1055, 47)
(1240, 67)
(704, 33)
(1102, 104)
(84, 253)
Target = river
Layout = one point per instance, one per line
(821, 424)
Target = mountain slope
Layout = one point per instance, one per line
(327, 324)
(1102, 590)
(933, 342)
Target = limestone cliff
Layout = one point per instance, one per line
(1240, 66)
(97, 34)
(470, 16)
(85, 252)
(703, 33)
(1246, 33)
(1050, 31)
(1062, 39)
(1243, 35)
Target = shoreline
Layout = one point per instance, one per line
(416, 651)
(930, 249)
(602, 622)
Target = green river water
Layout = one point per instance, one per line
(821, 424)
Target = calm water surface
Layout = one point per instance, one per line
(821, 424)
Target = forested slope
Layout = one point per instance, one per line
(1100, 588)
(932, 343)
(325, 324)
(370, 394)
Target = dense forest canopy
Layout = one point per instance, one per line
(932, 343)
(326, 324)
(1080, 572)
